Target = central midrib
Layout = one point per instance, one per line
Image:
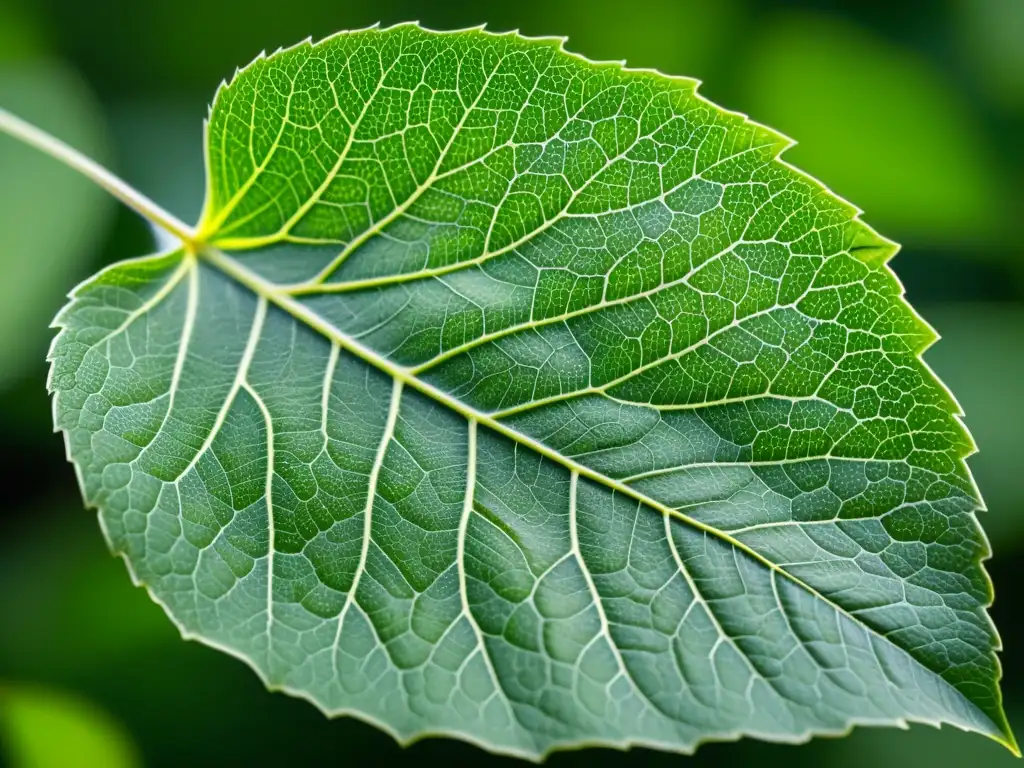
(262, 287)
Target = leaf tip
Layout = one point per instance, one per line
(1006, 738)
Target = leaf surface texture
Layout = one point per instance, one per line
(534, 401)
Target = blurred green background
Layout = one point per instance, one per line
(913, 110)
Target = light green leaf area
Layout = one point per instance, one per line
(513, 397)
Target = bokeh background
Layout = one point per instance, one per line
(913, 110)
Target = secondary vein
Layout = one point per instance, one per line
(405, 376)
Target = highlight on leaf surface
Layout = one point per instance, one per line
(505, 395)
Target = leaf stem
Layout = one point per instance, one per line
(71, 157)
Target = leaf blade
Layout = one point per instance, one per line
(718, 426)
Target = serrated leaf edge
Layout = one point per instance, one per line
(195, 248)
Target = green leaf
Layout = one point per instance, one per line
(505, 395)
(44, 728)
